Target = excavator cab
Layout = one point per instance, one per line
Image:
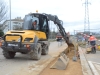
(42, 23)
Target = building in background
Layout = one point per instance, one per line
(15, 24)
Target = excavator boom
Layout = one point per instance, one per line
(59, 24)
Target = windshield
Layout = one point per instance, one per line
(28, 20)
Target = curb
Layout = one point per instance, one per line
(42, 67)
(85, 66)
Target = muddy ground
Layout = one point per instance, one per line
(73, 68)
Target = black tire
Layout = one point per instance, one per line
(36, 53)
(45, 50)
(9, 54)
(94, 50)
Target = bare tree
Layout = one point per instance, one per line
(3, 10)
(2, 27)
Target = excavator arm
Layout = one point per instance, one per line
(59, 24)
(67, 39)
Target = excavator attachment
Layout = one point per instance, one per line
(61, 62)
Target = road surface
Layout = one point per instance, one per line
(21, 61)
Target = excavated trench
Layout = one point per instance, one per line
(73, 67)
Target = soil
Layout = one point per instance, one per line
(73, 67)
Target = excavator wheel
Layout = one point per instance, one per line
(36, 53)
(45, 50)
(9, 54)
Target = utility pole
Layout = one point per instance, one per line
(51, 28)
(10, 14)
(86, 18)
(74, 32)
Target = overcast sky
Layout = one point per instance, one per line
(70, 11)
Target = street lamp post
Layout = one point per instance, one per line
(10, 13)
(0, 8)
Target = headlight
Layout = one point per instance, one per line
(19, 40)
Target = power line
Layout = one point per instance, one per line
(86, 18)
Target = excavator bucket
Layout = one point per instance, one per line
(61, 62)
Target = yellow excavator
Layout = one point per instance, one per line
(30, 41)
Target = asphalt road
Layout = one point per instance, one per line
(21, 61)
(94, 57)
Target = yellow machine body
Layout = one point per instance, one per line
(25, 34)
